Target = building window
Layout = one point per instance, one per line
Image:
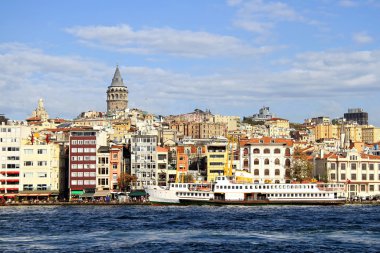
(353, 166)
(362, 187)
(28, 187)
(256, 151)
(342, 176)
(343, 166)
(277, 151)
(371, 177)
(277, 161)
(371, 166)
(332, 166)
(28, 151)
(371, 188)
(267, 151)
(364, 166)
(28, 163)
(353, 176)
(364, 176)
(245, 164)
(333, 176)
(266, 161)
(41, 187)
(256, 172)
(266, 172)
(41, 151)
(276, 172)
(256, 162)
(42, 174)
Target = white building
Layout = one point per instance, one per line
(266, 159)
(11, 137)
(143, 159)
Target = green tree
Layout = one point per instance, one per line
(124, 181)
(301, 168)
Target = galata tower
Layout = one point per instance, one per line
(117, 94)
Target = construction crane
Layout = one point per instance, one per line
(228, 166)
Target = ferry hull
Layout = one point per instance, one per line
(262, 202)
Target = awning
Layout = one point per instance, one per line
(102, 193)
(37, 193)
(76, 192)
(87, 195)
(137, 194)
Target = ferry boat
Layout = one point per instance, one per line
(226, 191)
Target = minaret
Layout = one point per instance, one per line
(117, 94)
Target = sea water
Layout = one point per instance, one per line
(349, 228)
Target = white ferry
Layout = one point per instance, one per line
(225, 191)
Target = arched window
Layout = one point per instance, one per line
(267, 151)
(246, 151)
(276, 172)
(287, 163)
(246, 164)
(287, 173)
(256, 172)
(277, 151)
(266, 172)
(112, 96)
(256, 151)
(287, 151)
(116, 96)
(256, 162)
(277, 161)
(266, 161)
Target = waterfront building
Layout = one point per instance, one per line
(117, 165)
(356, 115)
(360, 171)
(217, 159)
(266, 159)
(103, 168)
(121, 131)
(41, 170)
(82, 160)
(162, 165)
(143, 159)
(11, 139)
(117, 95)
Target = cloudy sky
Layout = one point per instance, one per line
(301, 58)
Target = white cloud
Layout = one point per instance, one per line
(124, 38)
(362, 38)
(260, 16)
(348, 3)
(71, 84)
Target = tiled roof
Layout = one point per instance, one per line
(266, 140)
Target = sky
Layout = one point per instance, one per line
(302, 59)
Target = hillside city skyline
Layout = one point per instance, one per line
(303, 60)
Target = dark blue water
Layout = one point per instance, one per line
(189, 229)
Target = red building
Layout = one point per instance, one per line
(82, 165)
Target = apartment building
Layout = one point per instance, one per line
(360, 171)
(11, 139)
(266, 159)
(143, 159)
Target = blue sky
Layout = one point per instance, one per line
(301, 58)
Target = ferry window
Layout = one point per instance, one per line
(207, 194)
(192, 194)
(291, 195)
(241, 187)
(172, 185)
(229, 187)
(176, 193)
(246, 187)
(251, 187)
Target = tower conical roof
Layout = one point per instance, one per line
(117, 80)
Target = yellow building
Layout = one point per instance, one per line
(371, 134)
(326, 131)
(216, 159)
(120, 130)
(277, 122)
(40, 173)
